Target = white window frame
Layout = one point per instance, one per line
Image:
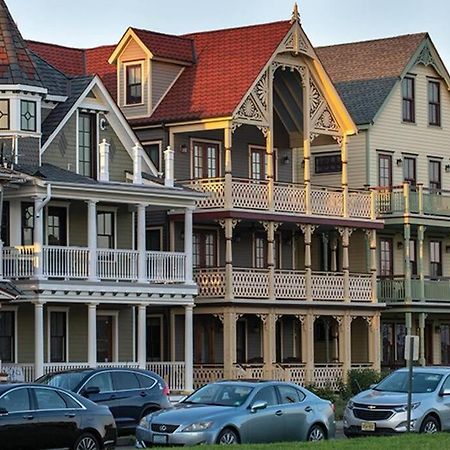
(64, 309)
(112, 209)
(141, 63)
(159, 143)
(77, 139)
(115, 334)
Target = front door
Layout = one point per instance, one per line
(57, 226)
(105, 338)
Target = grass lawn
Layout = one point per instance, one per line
(411, 442)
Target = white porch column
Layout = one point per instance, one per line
(306, 142)
(141, 244)
(92, 239)
(142, 336)
(344, 177)
(188, 348)
(92, 334)
(38, 339)
(38, 236)
(228, 139)
(104, 160)
(188, 231)
(169, 167)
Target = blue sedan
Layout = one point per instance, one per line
(232, 412)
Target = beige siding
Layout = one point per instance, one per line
(357, 252)
(391, 134)
(78, 224)
(134, 53)
(25, 333)
(78, 332)
(360, 341)
(163, 75)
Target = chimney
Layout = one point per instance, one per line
(104, 161)
(168, 165)
(137, 164)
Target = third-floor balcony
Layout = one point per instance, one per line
(283, 198)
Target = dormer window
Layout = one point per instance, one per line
(27, 115)
(133, 84)
(4, 114)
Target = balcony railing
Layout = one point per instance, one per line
(112, 264)
(251, 194)
(288, 284)
(407, 199)
(433, 290)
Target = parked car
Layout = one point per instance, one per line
(33, 416)
(383, 409)
(231, 412)
(130, 394)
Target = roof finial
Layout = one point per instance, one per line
(295, 15)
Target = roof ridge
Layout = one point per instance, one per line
(196, 33)
(159, 33)
(78, 49)
(422, 33)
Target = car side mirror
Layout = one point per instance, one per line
(258, 405)
(91, 390)
(373, 385)
(445, 392)
(3, 412)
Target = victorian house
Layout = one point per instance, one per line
(81, 284)
(284, 258)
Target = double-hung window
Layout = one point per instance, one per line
(386, 257)
(435, 175)
(435, 259)
(7, 336)
(133, 84)
(87, 145)
(58, 338)
(384, 170)
(434, 103)
(105, 229)
(409, 170)
(204, 248)
(409, 107)
(205, 159)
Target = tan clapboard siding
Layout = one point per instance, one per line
(359, 338)
(25, 334)
(357, 252)
(133, 52)
(126, 335)
(62, 150)
(390, 133)
(163, 75)
(78, 224)
(124, 228)
(78, 332)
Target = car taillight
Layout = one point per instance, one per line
(166, 390)
(333, 407)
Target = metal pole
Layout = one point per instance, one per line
(410, 381)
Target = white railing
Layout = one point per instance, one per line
(296, 373)
(250, 283)
(361, 287)
(206, 373)
(18, 262)
(328, 286)
(65, 262)
(166, 267)
(328, 375)
(171, 372)
(18, 373)
(117, 264)
(360, 204)
(290, 284)
(57, 367)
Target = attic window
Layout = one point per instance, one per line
(27, 115)
(4, 114)
(134, 84)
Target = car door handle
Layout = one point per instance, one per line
(279, 413)
(143, 394)
(29, 417)
(71, 415)
(308, 409)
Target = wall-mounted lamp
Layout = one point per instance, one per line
(399, 162)
(183, 148)
(447, 168)
(399, 245)
(285, 159)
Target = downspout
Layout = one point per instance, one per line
(45, 201)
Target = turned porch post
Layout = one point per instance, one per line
(269, 342)
(308, 230)
(228, 225)
(422, 317)
(188, 237)
(374, 341)
(229, 319)
(228, 140)
(271, 227)
(307, 143)
(373, 263)
(307, 322)
(344, 175)
(345, 233)
(345, 344)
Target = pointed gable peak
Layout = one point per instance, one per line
(16, 65)
(295, 17)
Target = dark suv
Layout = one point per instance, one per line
(130, 394)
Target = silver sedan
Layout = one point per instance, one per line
(383, 409)
(231, 412)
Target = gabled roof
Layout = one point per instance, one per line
(52, 173)
(364, 73)
(16, 65)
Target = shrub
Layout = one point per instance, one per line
(326, 392)
(361, 379)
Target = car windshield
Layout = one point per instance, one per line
(398, 382)
(67, 380)
(220, 395)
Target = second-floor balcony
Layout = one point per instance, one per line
(393, 290)
(290, 198)
(74, 263)
(252, 283)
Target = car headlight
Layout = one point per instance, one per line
(145, 423)
(350, 404)
(198, 426)
(404, 408)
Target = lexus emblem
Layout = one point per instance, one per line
(371, 407)
(162, 428)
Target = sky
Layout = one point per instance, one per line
(88, 23)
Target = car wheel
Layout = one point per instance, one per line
(316, 433)
(430, 425)
(86, 442)
(228, 437)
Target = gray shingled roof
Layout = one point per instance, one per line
(76, 87)
(49, 172)
(10, 289)
(364, 98)
(55, 81)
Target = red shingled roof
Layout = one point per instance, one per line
(368, 60)
(167, 46)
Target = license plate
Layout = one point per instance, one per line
(159, 439)
(368, 426)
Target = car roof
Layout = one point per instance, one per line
(90, 370)
(432, 369)
(250, 382)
